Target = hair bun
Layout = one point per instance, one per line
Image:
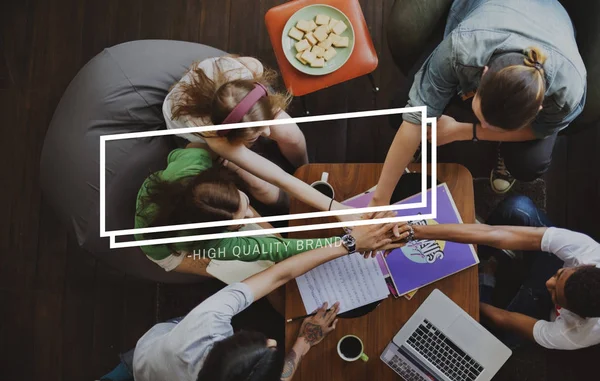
(535, 58)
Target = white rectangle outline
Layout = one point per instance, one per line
(112, 234)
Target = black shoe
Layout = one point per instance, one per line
(500, 179)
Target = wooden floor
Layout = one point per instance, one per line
(65, 316)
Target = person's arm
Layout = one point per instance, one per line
(573, 248)
(290, 140)
(401, 152)
(449, 130)
(261, 190)
(433, 86)
(521, 135)
(312, 332)
(272, 173)
(501, 237)
(293, 358)
(551, 335)
(510, 321)
(368, 238)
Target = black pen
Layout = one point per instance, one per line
(304, 317)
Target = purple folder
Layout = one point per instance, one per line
(420, 263)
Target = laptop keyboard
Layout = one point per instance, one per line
(404, 369)
(433, 345)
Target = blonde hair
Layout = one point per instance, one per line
(215, 98)
(512, 96)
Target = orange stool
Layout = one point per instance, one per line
(363, 60)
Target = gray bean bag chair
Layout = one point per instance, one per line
(120, 90)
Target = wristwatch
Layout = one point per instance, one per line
(411, 233)
(475, 139)
(349, 243)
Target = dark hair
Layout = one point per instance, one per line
(511, 96)
(209, 196)
(205, 97)
(242, 357)
(582, 292)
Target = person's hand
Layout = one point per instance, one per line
(377, 237)
(397, 230)
(315, 328)
(400, 231)
(228, 164)
(449, 130)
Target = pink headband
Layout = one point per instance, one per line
(238, 112)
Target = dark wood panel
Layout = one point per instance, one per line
(124, 24)
(108, 315)
(15, 38)
(52, 253)
(78, 316)
(16, 334)
(138, 310)
(556, 205)
(214, 23)
(55, 56)
(47, 345)
(49, 285)
(582, 193)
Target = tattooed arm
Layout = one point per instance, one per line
(293, 358)
(312, 332)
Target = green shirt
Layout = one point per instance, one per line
(189, 162)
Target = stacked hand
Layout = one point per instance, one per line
(380, 237)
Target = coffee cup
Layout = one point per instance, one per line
(350, 348)
(323, 186)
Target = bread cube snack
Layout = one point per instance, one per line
(306, 25)
(296, 34)
(334, 38)
(331, 24)
(322, 19)
(308, 56)
(339, 28)
(326, 44)
(302, 45)
(319, 51)
(321, 33)
(317, 38)
(311, 38)
(319, 62)
(343, 42)
(299, 58)
(329, 54)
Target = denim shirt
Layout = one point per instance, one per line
(478, 29)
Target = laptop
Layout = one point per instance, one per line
(441, 342)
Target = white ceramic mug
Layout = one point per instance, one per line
(323, 183)
(360, 355)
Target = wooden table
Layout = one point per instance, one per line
(362, 61)
(377, 328)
